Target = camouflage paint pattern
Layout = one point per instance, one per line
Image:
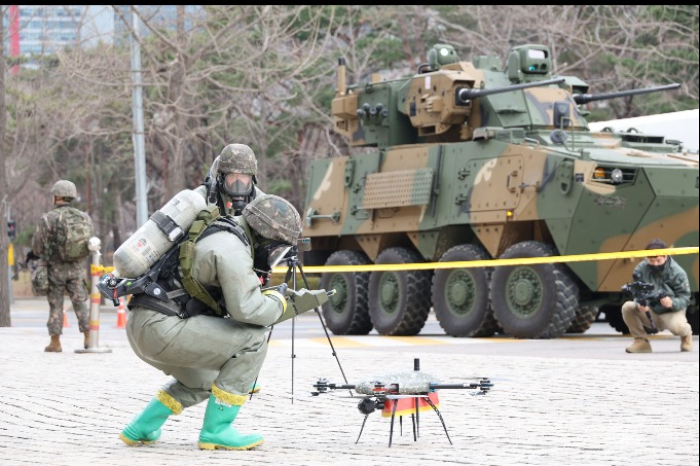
(493, 170)
(68, 278)
(273, 217)
(236, 158)
(64, 188)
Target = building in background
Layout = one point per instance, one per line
(156, 15)
(37, 30)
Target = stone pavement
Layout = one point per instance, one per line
(68, 409)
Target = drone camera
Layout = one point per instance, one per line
(368, 406)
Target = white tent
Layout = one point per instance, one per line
(682, 126)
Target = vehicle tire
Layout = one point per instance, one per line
(461, 296)
(693, 314)
(694, 321)
(613, 314)
(346, 312)
(399, 302)
(533, 301)
(585, 316)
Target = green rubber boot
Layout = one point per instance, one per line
(145, 426)
(217, 433)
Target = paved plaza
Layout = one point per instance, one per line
(68, 408)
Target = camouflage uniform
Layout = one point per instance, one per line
(68, 276)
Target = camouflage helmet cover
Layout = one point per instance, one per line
(273, 217)
(64, 188)
(237, 158)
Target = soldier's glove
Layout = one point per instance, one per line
(31, 256)
(304, 300)
(278, 293)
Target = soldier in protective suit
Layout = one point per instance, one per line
(212, 357)
(62, 275)
(232, 179)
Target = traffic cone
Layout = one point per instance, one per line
(121, 314)
(65, 318)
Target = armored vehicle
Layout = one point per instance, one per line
(467, 161)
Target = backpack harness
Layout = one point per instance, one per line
(168, 286)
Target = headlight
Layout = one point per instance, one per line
(613, 175)
(616, 176)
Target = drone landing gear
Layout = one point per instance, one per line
(415, 416)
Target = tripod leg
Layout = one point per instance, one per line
(323, 324)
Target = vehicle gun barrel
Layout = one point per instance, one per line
(585, 98)
(464, 95)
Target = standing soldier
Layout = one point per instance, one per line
(61, 241)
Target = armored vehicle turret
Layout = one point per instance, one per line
(469, 161)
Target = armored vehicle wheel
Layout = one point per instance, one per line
(613, 314)
(461, 296)
(694, 321)
(346, 311)
(693, 313)
(399, 302)
(533, 301)
(585, 316)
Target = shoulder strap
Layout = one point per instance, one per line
(207, 223)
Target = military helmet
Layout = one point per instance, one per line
(64, 188)
(237, 158)
(273, 217)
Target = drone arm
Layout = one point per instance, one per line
(447, 386)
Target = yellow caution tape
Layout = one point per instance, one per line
(601, 256)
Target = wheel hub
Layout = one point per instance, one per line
(524, 292)
(461, 292)
(389, 292)
(339, 300)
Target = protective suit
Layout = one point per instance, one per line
(211, 357)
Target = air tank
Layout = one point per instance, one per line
(155, 237)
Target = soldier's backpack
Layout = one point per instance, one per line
(70, 239)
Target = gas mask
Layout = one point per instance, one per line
(267, 256)
(237, 186)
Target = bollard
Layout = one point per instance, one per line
(95, 299)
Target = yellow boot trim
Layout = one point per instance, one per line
(170, 402)
(213, 446)
(226, 397)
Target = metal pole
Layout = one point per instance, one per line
(11, 252)
(138, 137)
(95, 299)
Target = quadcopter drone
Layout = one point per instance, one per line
(402, 394)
